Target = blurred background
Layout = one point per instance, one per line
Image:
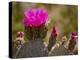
(64, 17)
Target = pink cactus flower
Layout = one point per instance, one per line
(74, 36)
(54, 32)
(20, 34)
(73, 41)
(35, 17)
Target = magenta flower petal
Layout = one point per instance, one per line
(35, 17)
